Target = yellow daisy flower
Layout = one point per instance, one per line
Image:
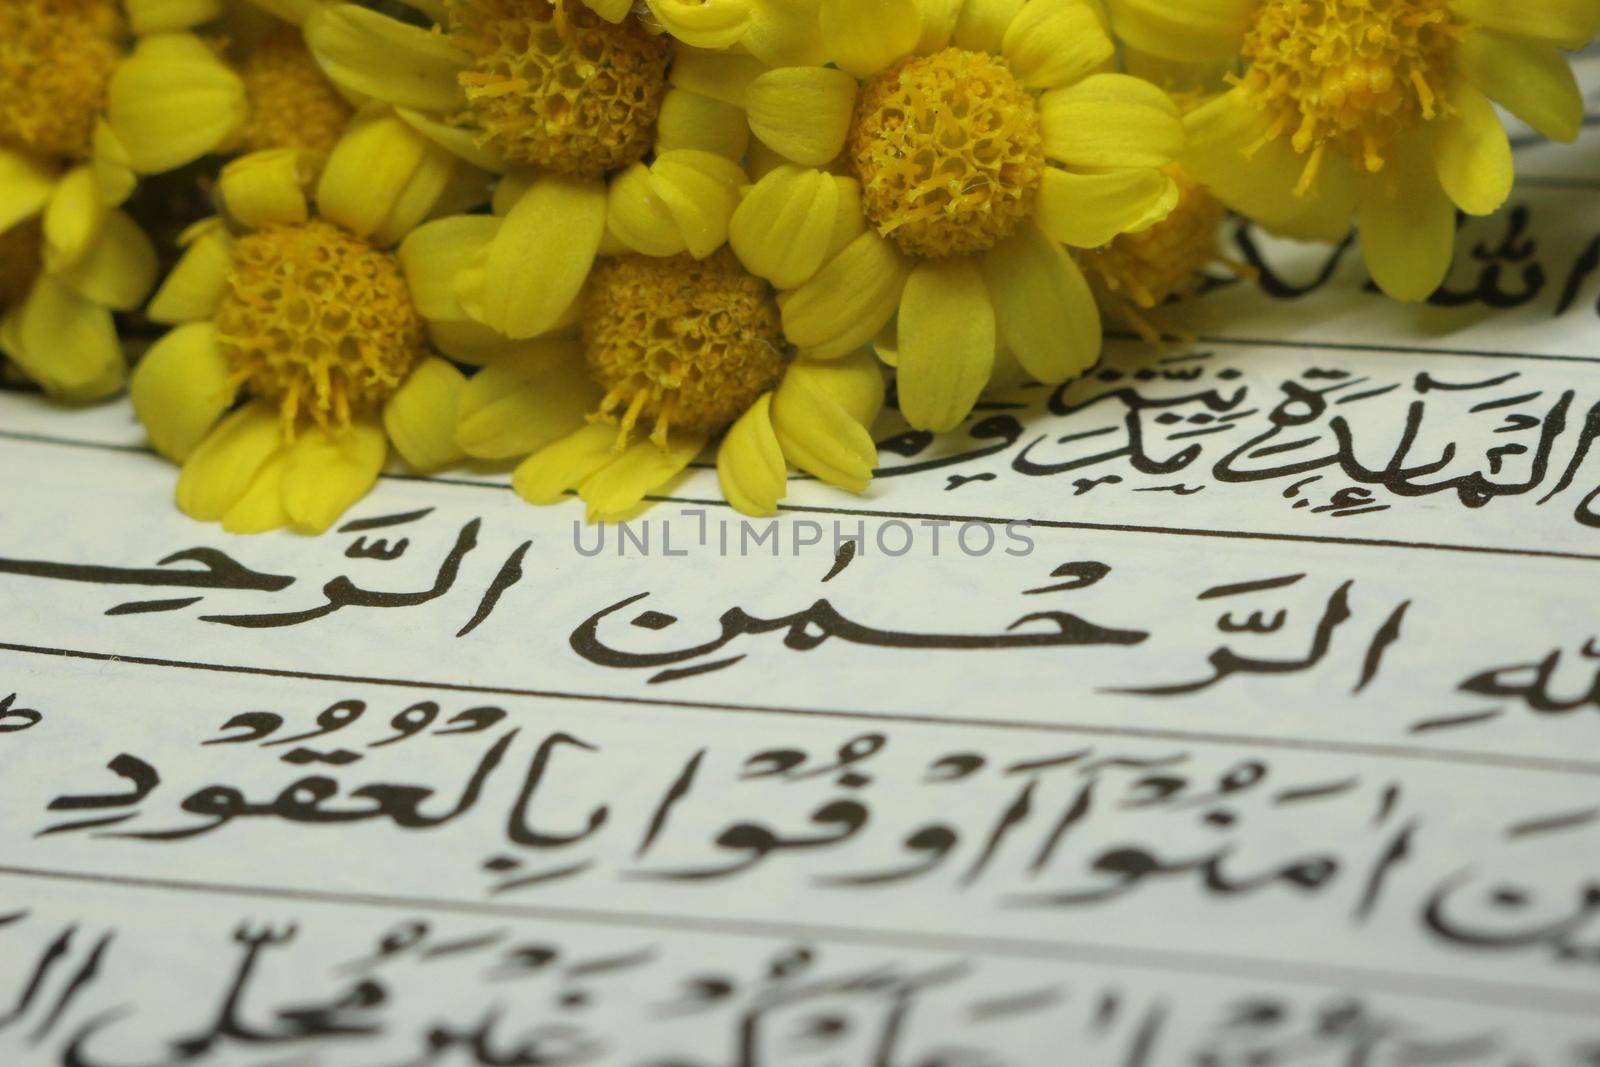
(1137, 273)
(572, 102)
(82, 116)
(1380, 111)
(688, 349)
(299, 353)
(962, 147)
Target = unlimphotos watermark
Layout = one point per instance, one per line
(695, 531)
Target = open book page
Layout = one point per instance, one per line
(1237, 704)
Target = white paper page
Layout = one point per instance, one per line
(1238, 705)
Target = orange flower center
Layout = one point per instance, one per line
(556, 86)
(681, 343)
(56, 59)
(318, 321)
(948, 152)
(292, 103)
(1349, 73)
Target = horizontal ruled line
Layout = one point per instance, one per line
(1548, 999)
(1413, 753)
(1405, 350)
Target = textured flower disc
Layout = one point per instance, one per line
(1350, 73)
(20, 252)
(1166, 260)
(56, 59)
(318, 321)
(680, 343)
(554, 85)
(948, 152)
(292, 103)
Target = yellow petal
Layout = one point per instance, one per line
(546, 476)
(180, 389)
(220, 469)
(803, 112)
(938, 25)
(1192, 31)
(420, 418)
(786, 33)
(261, 508)
(1088, 210)
(119, 267)
(265, 188)
(434, 254)
(850, 221)
(72, 219)
(1262, 184)
(982, 24)
(369, 170)
(700, 191)
(1531, 80)
(470, 341)
(542, 254)
(509, 189)
(847, 302)
(1043, 308)
(434, 180)
(821, 412)
(25, 186)
(66, 343)
(703, 23)
(689, 120)
(783, 229)
(638, 218)
(616, 490)
(373, 55)
(1408, 225)
(1052, 43)
(750, 466)
(327, 471)
(866, 36)
(522, 402)
(1567, 24)
(1110, 120)
(162, 16)
(459, 141)
(719, 75)
(172, 101)
(113, 166)
(947, 342)
(195, 285)
(1471, 152)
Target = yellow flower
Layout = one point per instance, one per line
(572, 102)
(1137, 273)
(299, 353)
(1377, 110)
(690, 349)
(81, 117)
(933, 178)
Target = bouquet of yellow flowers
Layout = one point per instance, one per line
(601, 238)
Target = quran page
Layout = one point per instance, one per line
(1236, 704)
